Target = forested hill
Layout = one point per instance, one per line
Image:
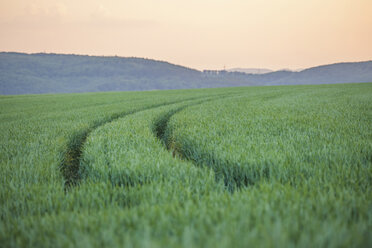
(54, 73)
(22, 73)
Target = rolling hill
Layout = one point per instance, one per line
(22, 73)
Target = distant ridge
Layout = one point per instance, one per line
(22, 73)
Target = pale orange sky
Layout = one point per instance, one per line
(202, 34)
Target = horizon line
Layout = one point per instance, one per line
(164, 61)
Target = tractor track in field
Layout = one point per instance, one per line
(70, 164)
(229, 172)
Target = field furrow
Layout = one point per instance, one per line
(126, 153)
(70, 165)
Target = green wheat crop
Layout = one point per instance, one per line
(287, 166)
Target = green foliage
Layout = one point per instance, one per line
(258, 166)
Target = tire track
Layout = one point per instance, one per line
(70, 163)
(233, 175)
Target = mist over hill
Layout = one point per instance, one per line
(22, 73)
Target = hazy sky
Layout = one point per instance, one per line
(202, 34)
